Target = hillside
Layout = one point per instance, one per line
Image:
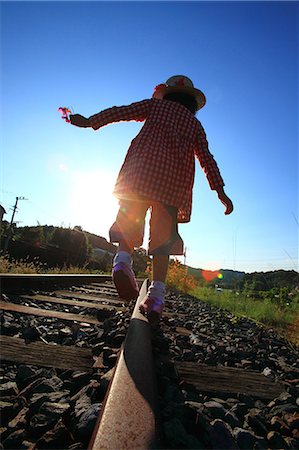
(256, 281)
(53, 246)
(100, 242)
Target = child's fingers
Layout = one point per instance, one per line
(226, 202)
(229, 208)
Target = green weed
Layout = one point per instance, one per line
(25, 266)
(262, 310)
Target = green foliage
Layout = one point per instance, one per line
(4, 229)
(265, 281)
(276, 310)
(56, 246)
(73, 243)
(102, 262)
(35, 266)
(280, 296)
(140, 261)
(178, 277)
(22, 266)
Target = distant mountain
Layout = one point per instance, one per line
(256, 281)
(264, 281)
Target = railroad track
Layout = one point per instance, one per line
(82, 369)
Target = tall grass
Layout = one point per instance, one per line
(264, 311)
(21, 266)
(282, 315)
(25, 266)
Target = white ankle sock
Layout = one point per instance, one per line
(123, 257)
(157, 289)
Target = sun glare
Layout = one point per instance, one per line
(93, 205)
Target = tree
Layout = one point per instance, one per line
(140, 260)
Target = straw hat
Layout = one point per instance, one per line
(180, 83)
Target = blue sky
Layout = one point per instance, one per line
(92, 55)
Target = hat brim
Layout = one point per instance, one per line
(200, 96)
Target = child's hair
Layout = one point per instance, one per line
(184, 99)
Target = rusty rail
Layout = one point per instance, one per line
(128, 417)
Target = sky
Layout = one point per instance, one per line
(92, 55)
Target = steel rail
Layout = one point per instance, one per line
(128, 417)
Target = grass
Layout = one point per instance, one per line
(21, 266)
(25, 266)
(264, 311)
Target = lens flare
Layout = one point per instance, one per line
(209, 275)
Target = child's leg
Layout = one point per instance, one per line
(164, 241)
(123, 254)
(127, 230)
(160, 267)
(125, 247)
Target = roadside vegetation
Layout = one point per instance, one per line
(26, 266)
(277, 307)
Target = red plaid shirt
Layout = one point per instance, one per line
(160, 163)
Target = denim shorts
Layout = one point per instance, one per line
(129, 227)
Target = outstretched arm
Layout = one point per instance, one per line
(211, 171)
(79, 121)
(137, 111)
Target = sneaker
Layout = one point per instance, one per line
(152, 308)
(125, 282)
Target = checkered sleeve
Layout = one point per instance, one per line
(137, 111)
(207, 161)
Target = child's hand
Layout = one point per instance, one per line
(79, 121)
(225, 200)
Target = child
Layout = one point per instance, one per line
(158, 173)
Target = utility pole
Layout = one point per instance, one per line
(185, 256)
(11, 223)
(186, 268)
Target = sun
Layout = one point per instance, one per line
(93, 205)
